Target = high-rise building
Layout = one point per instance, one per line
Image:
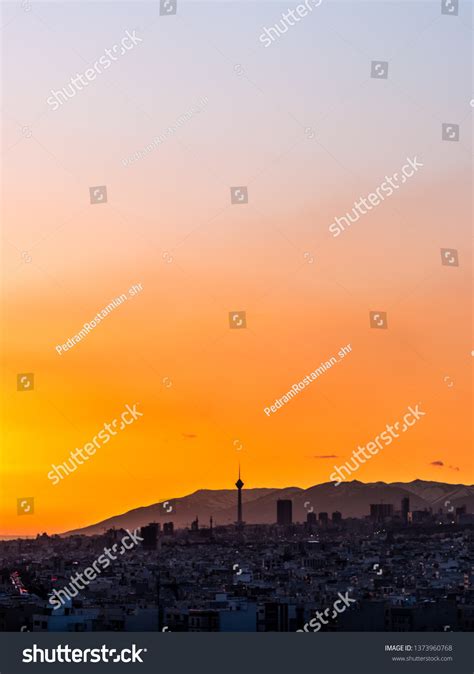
(195, 524)
(336, 517)
(323, 519)
(461, 510)
(311, 519)
(168, 529)
(239, 484)
(284, 511)
(150, 535)
(379, 511)
(417, 516)
(405, 509)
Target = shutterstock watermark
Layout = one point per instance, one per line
(167, 133)
(90, 448)
(78, 582)
(82, 80)
(269, 35)
(306, 381)
(103, 313)
(373, 199)
(380, 441)
(64, 653)
(316, 623)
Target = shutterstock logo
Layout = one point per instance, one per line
(67, 654)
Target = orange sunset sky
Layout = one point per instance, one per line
(307, 140)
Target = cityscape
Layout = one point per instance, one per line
(394, 569)
(237, 356)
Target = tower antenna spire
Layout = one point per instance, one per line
(239, 484)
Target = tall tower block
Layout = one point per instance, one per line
(239, 484)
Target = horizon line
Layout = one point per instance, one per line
(318, 484)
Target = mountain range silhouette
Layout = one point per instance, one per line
(352, 499)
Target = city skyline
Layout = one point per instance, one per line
(237, 350)
(163, 576)
(206, 271)
(397, 575)
(426, 495)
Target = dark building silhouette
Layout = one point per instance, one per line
(405, 509)
(323, 519)
(150, 535)
(239, 484)
(114, 535)
(336, 517)
(195, 524)
(461, 510)
(379, 511)
(168, 528)
(418, 516)
(284, 511)
(311, 519)
(274, 617)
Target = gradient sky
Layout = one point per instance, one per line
(253, 131)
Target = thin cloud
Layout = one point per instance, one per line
(325, 456)
(436, 463)
(189, 435)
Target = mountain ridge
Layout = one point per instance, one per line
(352, 499)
